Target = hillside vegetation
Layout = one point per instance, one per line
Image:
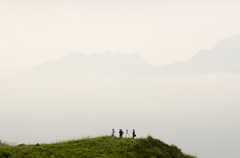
(103, 147)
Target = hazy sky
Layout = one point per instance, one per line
(33, 31)
(198, 113)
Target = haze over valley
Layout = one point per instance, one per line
(170, 69)
(86, 95)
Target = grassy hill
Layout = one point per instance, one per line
(103, 147)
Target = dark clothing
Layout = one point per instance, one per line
(120, 133)
(134, 134)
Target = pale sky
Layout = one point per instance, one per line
(197, 113)
(32, 32)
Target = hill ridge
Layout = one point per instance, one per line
(104, 146)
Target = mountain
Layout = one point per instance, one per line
(102, 63)
(223, 58)
(96, 147)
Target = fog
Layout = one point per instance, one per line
(198, 113)
(176, 76)
(162, 32)
(81, 95)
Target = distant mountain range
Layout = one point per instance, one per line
(223, 58)
(103, 63)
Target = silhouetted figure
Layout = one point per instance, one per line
(120, 133)
(134, 134)
(113, 133)
(126, 134)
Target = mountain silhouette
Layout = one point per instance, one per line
(103, 63)
(223, 58)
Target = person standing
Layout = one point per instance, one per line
(126, 135)
(113, 133)
(120, 133)
(134, 134)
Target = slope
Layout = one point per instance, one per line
(223, 58)
(102, 63)
(96, 147)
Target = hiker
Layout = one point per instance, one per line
(113, 133)
(134, 134)
(126, 134)
(120, 133)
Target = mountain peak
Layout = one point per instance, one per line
(105, 63)
(222, 58)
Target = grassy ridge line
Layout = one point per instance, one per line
(100, 147)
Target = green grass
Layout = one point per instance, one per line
(100, 147)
